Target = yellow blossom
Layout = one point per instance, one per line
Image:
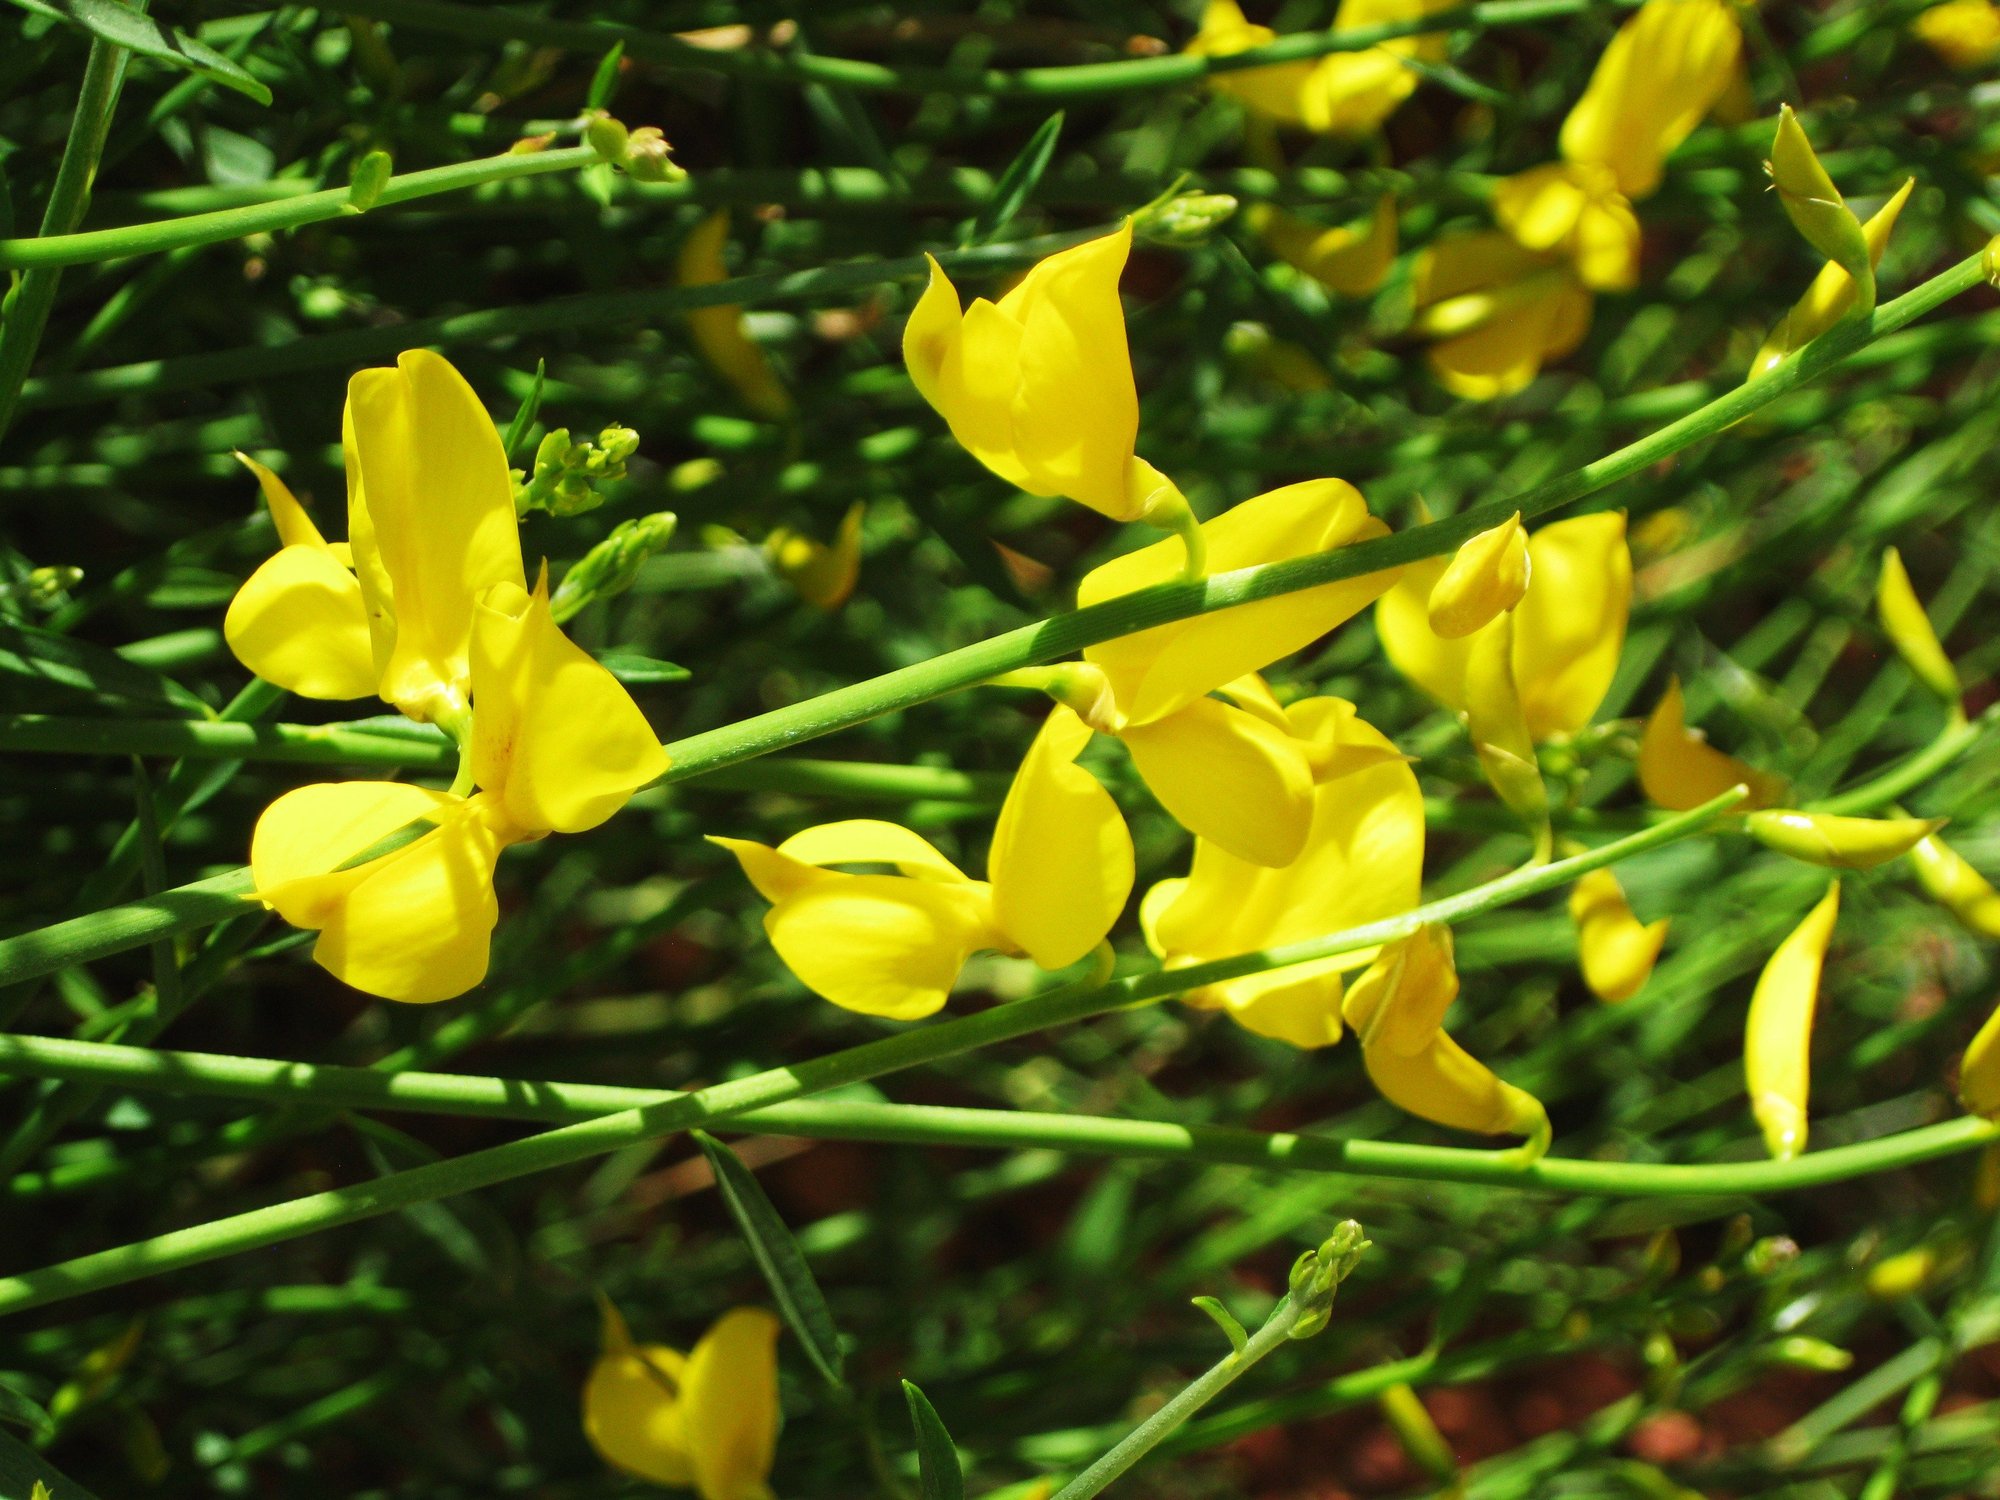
(1831, 294)
(1614, 948)
(1485, 577)
(1397, 1010)
(1574, 209)
(1059, 871)
(1341, 93)
(1910, 631)
(1979, 1071)
(1679, 769)
(1965, 33)
(1495, 311)
(1839, 843)
(1362, 860)
(1349, 259)
(822, 573)
(1038, 386)
(1954, 884)
(706, 1421)
(1777, 1038)
(718, 331)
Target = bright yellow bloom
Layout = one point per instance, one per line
(1397, 1009)
(1614, 948)
(1351, 259)
(1831, 294)
(1485, 578)
(1232, 772)
(1839, 843)
(1910, 631)
(1575, 210)
(557, 746)
(822, 573)
(430, 517)
(1496, 311)
(718, 331)
(1038, 386)
(1965, 33)
(1059, 871)
(1342, 93)
(1362, 861)
(706, 1421)
(1568, 627)
(1954, 884)
(1496, 721)
(1679, 769)
(1777, 1039)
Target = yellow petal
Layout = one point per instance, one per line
(718, 331)
(822, 575)
(442, 511)
(1435, 663)
(1499, 311)
(1352, 93)
(556, 738)
(1979, 1071)
(1061, 863)
(1486, 576)
(304, 837)
(931, 333)
(1157, 671)
(1954, 884)
(1449, 1086)
(1229, 777)
(634, 1416)
(1352, 259)
(976, 385)
(869, 841)
(729, 1394)
(299, 622)
(1679, 769)
(775, 875)
(295, 527)
(1574, 210)
(884, 945)
(1661, 73)
(1909, 629)
(1965, 33)
(1570, 628)
(1497, 722)
(1398, 1006)
(1831, 293)
(1777, 1039)
(1839, 843)
(1614, 948)
(1277, 91)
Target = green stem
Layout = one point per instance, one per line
(1958, 736)
(289, 213)
(25, 309)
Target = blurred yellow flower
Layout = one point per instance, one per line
(1351, 259)
(1950, 880)
(1679, 769)
(822, 573)
(1341, 93)
(718, 331)
(1574, 210)
(1965, 33)
(1397, 1009)
(1777, 1038)
(1831, 294)
(705, 1421)
(1979, 1071)
(1362, 860)
(1839, 843)
(1059, 870)
(1615, 950)
(1495, 311)
(1910, 631)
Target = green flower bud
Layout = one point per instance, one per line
(613, 564)
(1817, 210)
(371, 175)
(607, 137)
(1187, 219)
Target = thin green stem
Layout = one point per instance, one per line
(286, 213)
(1955, 740)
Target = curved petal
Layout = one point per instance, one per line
(930, 334)
(1435, 663)
(1570, 628)
(299, 622)
(304, 837)
(1398, 1006)
(1777, 1036)
(1446, 1084)
(1349, 259)
(869, 841)
(1679, 769)
(1614, 949)
(1299, 1005)
(295, 527)
(975, 390)
(729, 1393)
(883, 945)
(776, 876)
(1156, 671)
(556, 738)
(634, 1416)
(718, 331)
(1486, 576)
(1663, 70)
(1229, 777)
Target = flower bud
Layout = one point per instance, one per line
(606, 136)
(371, 175)
(1902, 1275)
(613, 564)
(1839, 843)
(1487, 576)
(1803, 1353)
(1910, 632)
(1817, 210)
(1951, 882)
(648, 157)
(1770, 1255)
(1186, 219)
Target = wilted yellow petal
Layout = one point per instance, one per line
(556, 738)
(823, 575)
(1680, 770)
(1965, 33)
(718, 331)
(1979, 1071)
(729, 1399)
(1777, 1039)
(884, 945)
(299, 622)
(1955, 885)
(1831, 293)
(1570, 628)
(1909, 630)
(1661, 73)
(634, 1416)
(1228, 776)
(1159, 670)
(1351, 259)
(1839, 843)
(1486, 576)
(1061, 862)
(1615, 950)
(442, 511)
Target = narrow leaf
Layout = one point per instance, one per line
(1225, 1320)
(531, 407)
(1017, 182)
(32, 659)
(19, 1410)
(937, 1455)
(778, 1256)
(636, 670)
(124, 27)
(604, 82)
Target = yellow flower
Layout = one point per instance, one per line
(430, 518)
(1574, 209)
(1679, 769)
(1397, 1009)
(1059, 871)
(1979, 1071)
(1362, 861)
(1496, 311)
(1831, 294)
(1965, 33)
(1839, 843)
(1350, 259)
(706, 1421)
(557, 746)
(1615, 950)
(1777, 1039)
(1485, 577)
(1342, 93)
(718, 331)
(1910, 631)
(823, 574)
(1038, 386)
(1954, 884)
(1232, 772)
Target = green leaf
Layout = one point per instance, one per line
(22, 1412)
(531, 408)
(124, 27)
(604, 82)
(31, 658)
(632, 668)
(1017, 182)
(778, 1256)
(1225, 1320)
(23, 1473)
(937, 1455)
